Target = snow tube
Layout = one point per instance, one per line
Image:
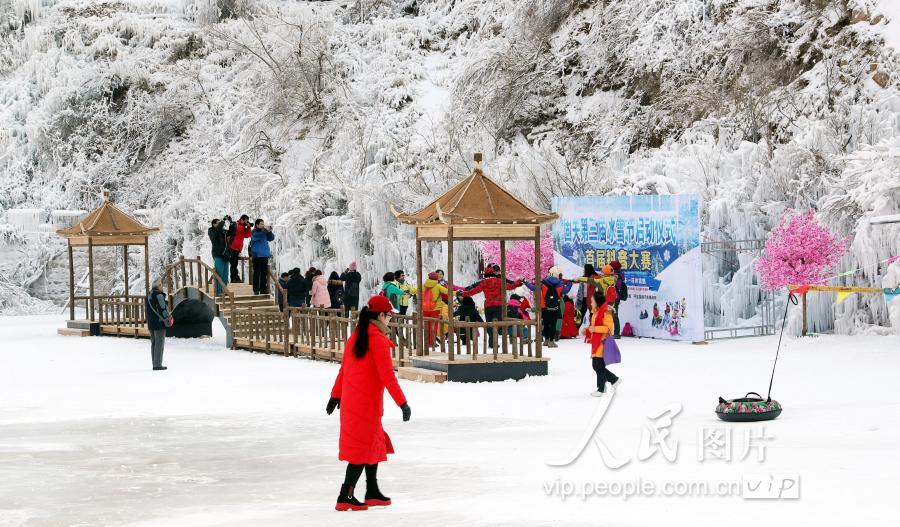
(747, 409)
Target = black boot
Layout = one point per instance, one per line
(374, 497)
(346, 501)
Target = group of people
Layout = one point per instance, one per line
(312, 289)
(227, 239)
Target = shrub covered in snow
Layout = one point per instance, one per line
(317, 116)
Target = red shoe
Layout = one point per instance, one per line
(346, 506)
(347, 502)
(374, 497)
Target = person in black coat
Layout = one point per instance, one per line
(217, 238)
(297, 288)
(335, 290)
(467, 312)
(158, 320)
(351, 279)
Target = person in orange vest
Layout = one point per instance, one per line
(600, 327)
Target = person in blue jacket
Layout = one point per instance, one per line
(553, 288)
(260, 252)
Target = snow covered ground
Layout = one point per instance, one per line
(90, 436)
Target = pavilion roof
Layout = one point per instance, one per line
(107, 220)
(477, 199)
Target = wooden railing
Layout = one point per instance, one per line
(122, 311)
(197, 274)
(323, 333)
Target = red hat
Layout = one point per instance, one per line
(616, 265)
(432, 275)
(489, 270)
(380, 304)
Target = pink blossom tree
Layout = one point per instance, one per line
(519, 256)
(800, 251)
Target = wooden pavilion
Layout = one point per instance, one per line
(105, 226)
(476, 208)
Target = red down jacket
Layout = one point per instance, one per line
(490, 286)
(360, 386)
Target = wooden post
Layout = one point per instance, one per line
(420, 324)
(450, 292)
(146, 266)
(502, 298)
(538, 343)
(91, 277)
(803, 332)
(125, 255)
(71, 283)
(286, 328)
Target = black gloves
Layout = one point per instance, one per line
(333, 403)
(406, 411)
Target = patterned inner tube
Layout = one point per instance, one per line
(748, 408)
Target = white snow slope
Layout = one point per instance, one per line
(90, 436)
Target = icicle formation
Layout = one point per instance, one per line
(799, 251)
(520, 256)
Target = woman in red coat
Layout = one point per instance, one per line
(366, 370)
(569, 330)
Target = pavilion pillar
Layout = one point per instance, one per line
(450, 293)
(503, 277)
(146, 267)
(420, 325)
(504, 339)
(125, 257)
(538, 338)
(71, 282)
(91, 277)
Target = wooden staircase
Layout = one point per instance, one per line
(244, 300)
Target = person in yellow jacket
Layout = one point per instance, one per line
(408, 290)
(600, 328)
(605, 283)
(433, 305)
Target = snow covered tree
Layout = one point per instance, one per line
(799, 251)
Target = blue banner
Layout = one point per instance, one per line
(656, 239)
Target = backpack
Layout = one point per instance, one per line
(392, 298)
(551, 298)
(428, 302)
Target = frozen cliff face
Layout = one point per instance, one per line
(319, 116)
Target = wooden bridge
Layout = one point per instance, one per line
(256, 323)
